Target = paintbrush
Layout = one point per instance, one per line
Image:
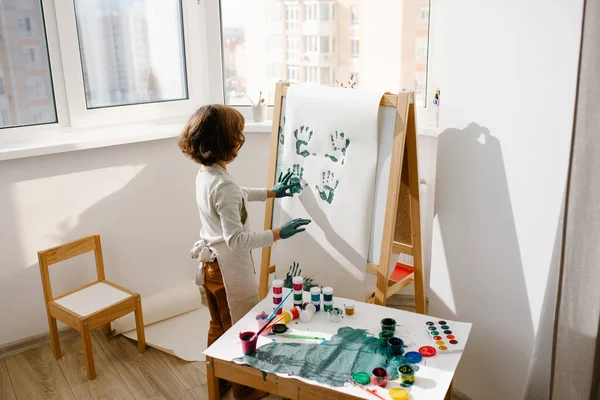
(280, 305)
(366, 390)
(292, 336)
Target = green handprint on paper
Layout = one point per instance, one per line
(340, 145)
(303, 141)
(329, 187)
(297, 177)
(281, 136)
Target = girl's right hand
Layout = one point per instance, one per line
(291, 228)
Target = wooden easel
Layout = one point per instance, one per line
(402, 225)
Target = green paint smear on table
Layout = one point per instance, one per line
(332, 362)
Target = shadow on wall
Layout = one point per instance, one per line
(485, 283)
(147, 223)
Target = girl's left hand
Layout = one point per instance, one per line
(283, 188)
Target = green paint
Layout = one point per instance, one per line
(434, 333)
(328, 187)
(332, 362)
(281, 135)
(297, 178)
(293, 227)
(284, 187)
(340, 145)
(302, 140)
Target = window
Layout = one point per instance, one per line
(354, 51)
(36, 89)
(341, 48)
(25, 26)
(19, 63)
(310, 44)
(325, 76)
(130, 53)
(325, 11)
(291, 12)
(354, 18)
(324, 45)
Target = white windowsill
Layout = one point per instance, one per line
(70, 139)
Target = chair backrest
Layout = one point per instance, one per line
(66, 251)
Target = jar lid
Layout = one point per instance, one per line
(398, 394)
(315, 290)
(361, 377)
(427, 351)
(349, 304)
(277, 283)
(327, 290)
(297, 280)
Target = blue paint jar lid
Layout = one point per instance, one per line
(413, 357)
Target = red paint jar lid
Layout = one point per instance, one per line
(427, 351)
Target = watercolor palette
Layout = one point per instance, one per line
(443, 337)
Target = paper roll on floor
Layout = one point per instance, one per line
(175, 322)
(168, 303)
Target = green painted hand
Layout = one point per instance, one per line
(284, 187)
(293, 227)
(340, 145)
(302, 140)
(297, 178)
(328, 186)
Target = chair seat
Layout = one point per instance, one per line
(92, 298)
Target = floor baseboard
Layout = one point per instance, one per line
(33, 341)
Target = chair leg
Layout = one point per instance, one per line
(107, 329)
(86, 341)
(54, 339)
(139, 327)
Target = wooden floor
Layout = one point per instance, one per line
(122, 373)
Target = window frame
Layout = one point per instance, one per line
(82, 116)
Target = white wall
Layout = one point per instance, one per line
(139, 197)
(508, 75)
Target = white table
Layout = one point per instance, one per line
(432, 381)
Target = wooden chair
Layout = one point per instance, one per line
(90, 306)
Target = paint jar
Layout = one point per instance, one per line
(287, 317)
(388, 324)
(298, 283)
(315, 294)
(277, 299)
(261, 321)
(278, 286)
(295, 312)
(349, 307)
(298, 297)
(317, 306)
(248, 342)
(279, 311)
(395, 346)
(328, 293)
(335, 314)
(384, 336)
(379, 377)
(308, 310)
(407, 374)
(327, 306)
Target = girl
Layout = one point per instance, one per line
(212, 137)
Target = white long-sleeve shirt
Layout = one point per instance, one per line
(220, 203)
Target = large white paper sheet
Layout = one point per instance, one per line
(432, 379)
(330, 144)
(175, 321)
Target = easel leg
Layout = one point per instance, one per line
(212, 380)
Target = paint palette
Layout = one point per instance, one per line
(443, 337)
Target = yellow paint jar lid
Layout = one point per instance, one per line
(398, 394)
